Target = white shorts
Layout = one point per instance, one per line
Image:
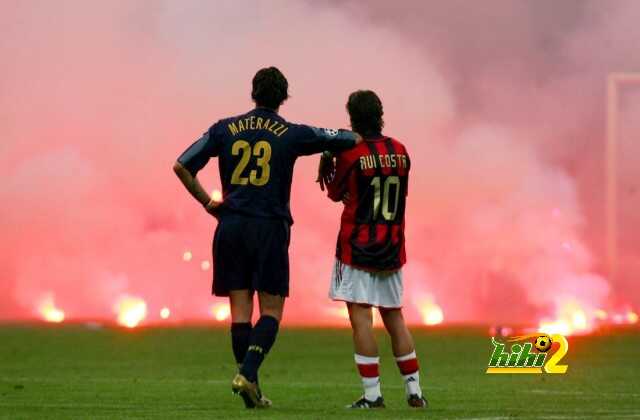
(380, 289)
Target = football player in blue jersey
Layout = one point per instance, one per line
(256, 153)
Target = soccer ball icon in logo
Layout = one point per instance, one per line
(543, 343)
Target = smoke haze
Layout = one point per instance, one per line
(501, 105)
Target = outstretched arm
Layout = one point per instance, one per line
(311, 140)
(194, 187)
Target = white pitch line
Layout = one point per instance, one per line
(609, 414)
(598, 393)
(484, 418)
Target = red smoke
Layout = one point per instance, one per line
(501, 105)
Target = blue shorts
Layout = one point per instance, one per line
(251, 254)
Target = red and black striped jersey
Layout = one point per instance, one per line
(375, 175)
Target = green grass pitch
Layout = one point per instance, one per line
(71, 372)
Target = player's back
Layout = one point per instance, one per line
(256, 162)
(257, 152)
(375, 176)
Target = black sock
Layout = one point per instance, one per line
(262, 338)
(240, 333)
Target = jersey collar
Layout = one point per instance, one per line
(374, 137)
(265, 109)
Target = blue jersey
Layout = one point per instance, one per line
(256, 153)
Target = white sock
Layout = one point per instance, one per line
(408, 365)
(412, 384)
(368, 368)
(371, 388)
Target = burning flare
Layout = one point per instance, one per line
(165, 313)
(220, 311)
(571, 319)
(216, 195)
(49, 311)
(431, 313)
(632, 317)
(560, 326)
(131, 311)
(601, 314)
(340, 312)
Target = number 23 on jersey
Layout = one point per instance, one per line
(261, 151)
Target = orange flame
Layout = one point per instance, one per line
(187, 256)
(579, 320)
(205, 265)
(216, 195)
(220, 311)
(601, 314)
(555, 327)
(571, 319)
(49, 311)
(341, 312)
(131, 311)
(165, 313)
(431, 313)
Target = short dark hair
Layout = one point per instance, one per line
(365, 110)
(270, 88)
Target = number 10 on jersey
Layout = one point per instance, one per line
(382, 197)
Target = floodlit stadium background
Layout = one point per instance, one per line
(502, 105)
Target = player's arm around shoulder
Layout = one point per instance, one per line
(326, 169)
(334, 172)
(335, 142)
(309, 140)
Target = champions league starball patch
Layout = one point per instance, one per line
(330, 132)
